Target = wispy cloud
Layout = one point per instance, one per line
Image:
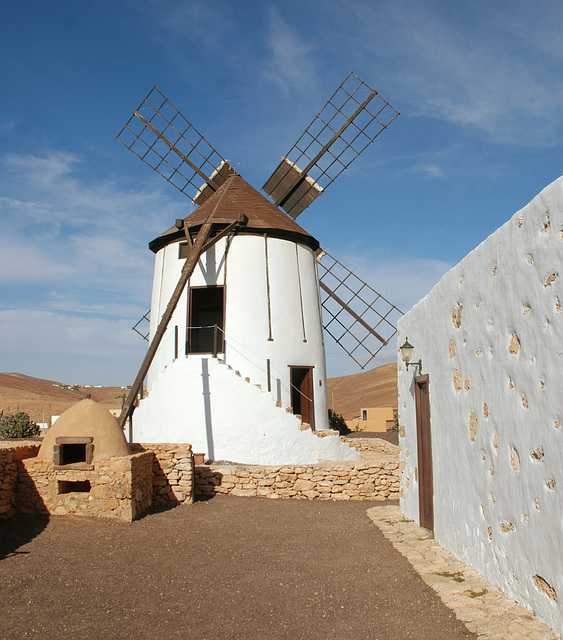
(290, 64)
(488, 80)
(73, 232)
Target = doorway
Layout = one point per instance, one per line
(206, 309)
(301, 379)
(424, 450)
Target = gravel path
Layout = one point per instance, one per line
(228, 568)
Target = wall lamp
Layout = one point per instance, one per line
(406, 355)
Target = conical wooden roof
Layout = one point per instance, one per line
(236, 196)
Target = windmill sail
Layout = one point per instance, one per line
(357, 317)
(350, 121)
(160, 136)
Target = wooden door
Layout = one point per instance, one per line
(424, 448)
(302, 394)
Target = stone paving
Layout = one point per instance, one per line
(482, 607)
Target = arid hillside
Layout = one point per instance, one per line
(41, 399)
(374, 388)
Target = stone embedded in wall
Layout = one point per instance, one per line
(416, 474)
(478, 352)
(494, 271)
(514, 460)
(537, 504)
(485, 410)
(550, 484)
(529, 259)
(514, 345)
(557, 305)
(550, 279)
(543, 585)
(506, 527)
(456, 316)
(510, 383)
(473, 425)
(545, 225)
(526, 309)
(495, 442)
(466, 384)
(542, 384)
(557, 423)
(452, 348)
(490, 532)
(537, 454)
(524, 402)
(457, 380)
(401, 430)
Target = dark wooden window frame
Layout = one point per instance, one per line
(221, 335)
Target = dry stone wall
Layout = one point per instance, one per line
(9, 458)
(118, 487)
(370, 448)
(172, 472)
(365, 480)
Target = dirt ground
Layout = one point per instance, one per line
(228, 568)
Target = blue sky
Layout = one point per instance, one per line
(479, 86)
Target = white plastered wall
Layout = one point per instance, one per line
(272, 313)
(212, 414)
(490, 335)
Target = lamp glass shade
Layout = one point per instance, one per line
(406, 351)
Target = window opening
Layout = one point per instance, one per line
(206, 310)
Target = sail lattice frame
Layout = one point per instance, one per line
(163, 138)
(351, 120)
(142, 326)
(349, 304)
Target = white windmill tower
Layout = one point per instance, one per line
(236, 362)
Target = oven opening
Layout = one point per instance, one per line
(69, 486)
(71, 453)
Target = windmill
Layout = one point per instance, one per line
(250, 283)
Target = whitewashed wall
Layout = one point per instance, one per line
(272, 312)
(227, 418)
(490, 335)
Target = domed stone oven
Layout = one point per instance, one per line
(85, 467)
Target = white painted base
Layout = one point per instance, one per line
(203, 402)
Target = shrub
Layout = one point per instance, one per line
(337, 423)
(18, 426)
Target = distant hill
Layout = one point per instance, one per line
(43, 398)
(374, 388)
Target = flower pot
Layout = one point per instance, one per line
(199, 458)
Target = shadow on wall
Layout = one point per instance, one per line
(31, 520)
(207, 408)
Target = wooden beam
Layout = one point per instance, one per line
(352, 313)
(187, 270)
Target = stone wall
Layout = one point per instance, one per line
(490, 338)
(9, 458)
(118, 487)
(365, 480)
(172, 472)
(370, 448)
